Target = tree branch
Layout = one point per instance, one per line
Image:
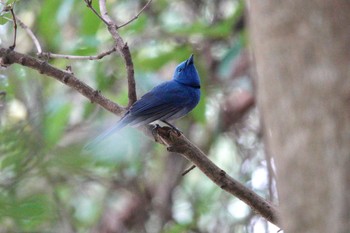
(89, 5)
(74, 57)
(136, 16)
(31, 35)
(9, 57)
(183, 146)
(123, 50)
(14, 28)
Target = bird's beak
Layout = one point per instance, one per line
(190, 60)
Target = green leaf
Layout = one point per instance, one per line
(10, 160)
(9, 2)
(178, 228)
(90, 22)
(55, 124)
(13, 148)
(31, 211)
(47, 23)
(28, 212)
(4, 18)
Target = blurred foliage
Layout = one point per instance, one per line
(49, 184)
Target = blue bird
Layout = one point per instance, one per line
(168, 101)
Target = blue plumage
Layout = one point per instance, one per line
(167, 101)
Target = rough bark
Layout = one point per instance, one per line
(302, 53)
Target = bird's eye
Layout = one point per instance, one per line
(180, 70)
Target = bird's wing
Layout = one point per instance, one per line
(160, 103)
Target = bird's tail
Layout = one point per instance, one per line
(94, 142)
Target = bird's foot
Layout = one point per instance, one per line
(154, 130)
(176, 130)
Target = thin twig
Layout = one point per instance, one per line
(188, 170)
(15, 28)
(112, 28)
(64, 56)
(123, 50)
(89, 5)
(31, 35)
(136, 16)
(120, 46)
(74, 57)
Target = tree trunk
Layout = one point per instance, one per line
(302, 54)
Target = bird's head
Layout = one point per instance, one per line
(187, 74)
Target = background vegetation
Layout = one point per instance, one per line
(130, 183)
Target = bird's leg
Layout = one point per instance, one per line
(154, 130)
(178, 132)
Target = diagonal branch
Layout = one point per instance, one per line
(191, 152)
(31, 35)
(89, 5)
(8, 57)
(136, 16)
